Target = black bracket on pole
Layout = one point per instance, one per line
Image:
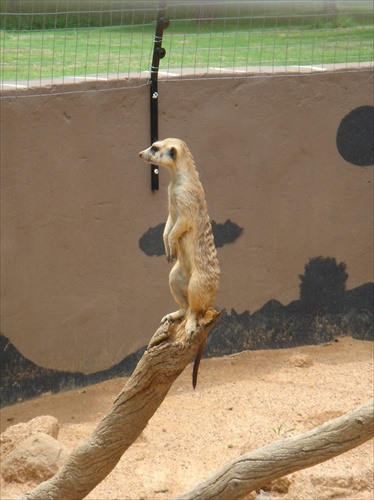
(158, 53)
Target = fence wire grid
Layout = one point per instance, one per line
(47, 44)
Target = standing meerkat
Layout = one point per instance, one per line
(188, 235)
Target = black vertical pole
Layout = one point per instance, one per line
(158, 53)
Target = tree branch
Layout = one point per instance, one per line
(166, 357)
(252, 470)
(94, 458)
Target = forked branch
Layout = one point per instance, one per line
(94, 458)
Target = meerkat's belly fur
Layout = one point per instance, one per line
(188, 236)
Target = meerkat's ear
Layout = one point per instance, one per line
(173, 153)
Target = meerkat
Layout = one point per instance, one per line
(187, 236)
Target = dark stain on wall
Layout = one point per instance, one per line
(21, 379)
(276, 326)
(226, 233)
(354, 139)
(151, 242)
(324, 312)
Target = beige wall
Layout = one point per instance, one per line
(78, 294)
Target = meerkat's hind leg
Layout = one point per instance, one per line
(191, 325)
(199, 298)
(178, 286)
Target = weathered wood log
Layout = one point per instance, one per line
(257, 468)
(93, 459)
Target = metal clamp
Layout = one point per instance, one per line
(158, 53)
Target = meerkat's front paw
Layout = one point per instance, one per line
(170, 255)
(166, 318)
(174, 316)
(170, 258)
(171, 252)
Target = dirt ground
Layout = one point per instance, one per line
(242, 402)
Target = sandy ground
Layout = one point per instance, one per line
(242, 402)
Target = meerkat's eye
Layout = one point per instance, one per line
(173, 153)
(154, 149)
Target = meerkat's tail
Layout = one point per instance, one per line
(196, 364)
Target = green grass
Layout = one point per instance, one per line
(81, 52)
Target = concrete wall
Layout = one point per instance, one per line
(78, 291)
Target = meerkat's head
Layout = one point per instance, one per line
(164, 153)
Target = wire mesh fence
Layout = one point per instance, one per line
(45, 43)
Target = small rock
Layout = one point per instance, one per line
(37, 458)
(142, 439)
(13, 435)
(301, 361)
(262, 495)
(251, 496)
(280, 485)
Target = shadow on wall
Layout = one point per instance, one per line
(324, 312)
(151, 243)
(21, 379)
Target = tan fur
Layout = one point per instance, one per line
(188, 234)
